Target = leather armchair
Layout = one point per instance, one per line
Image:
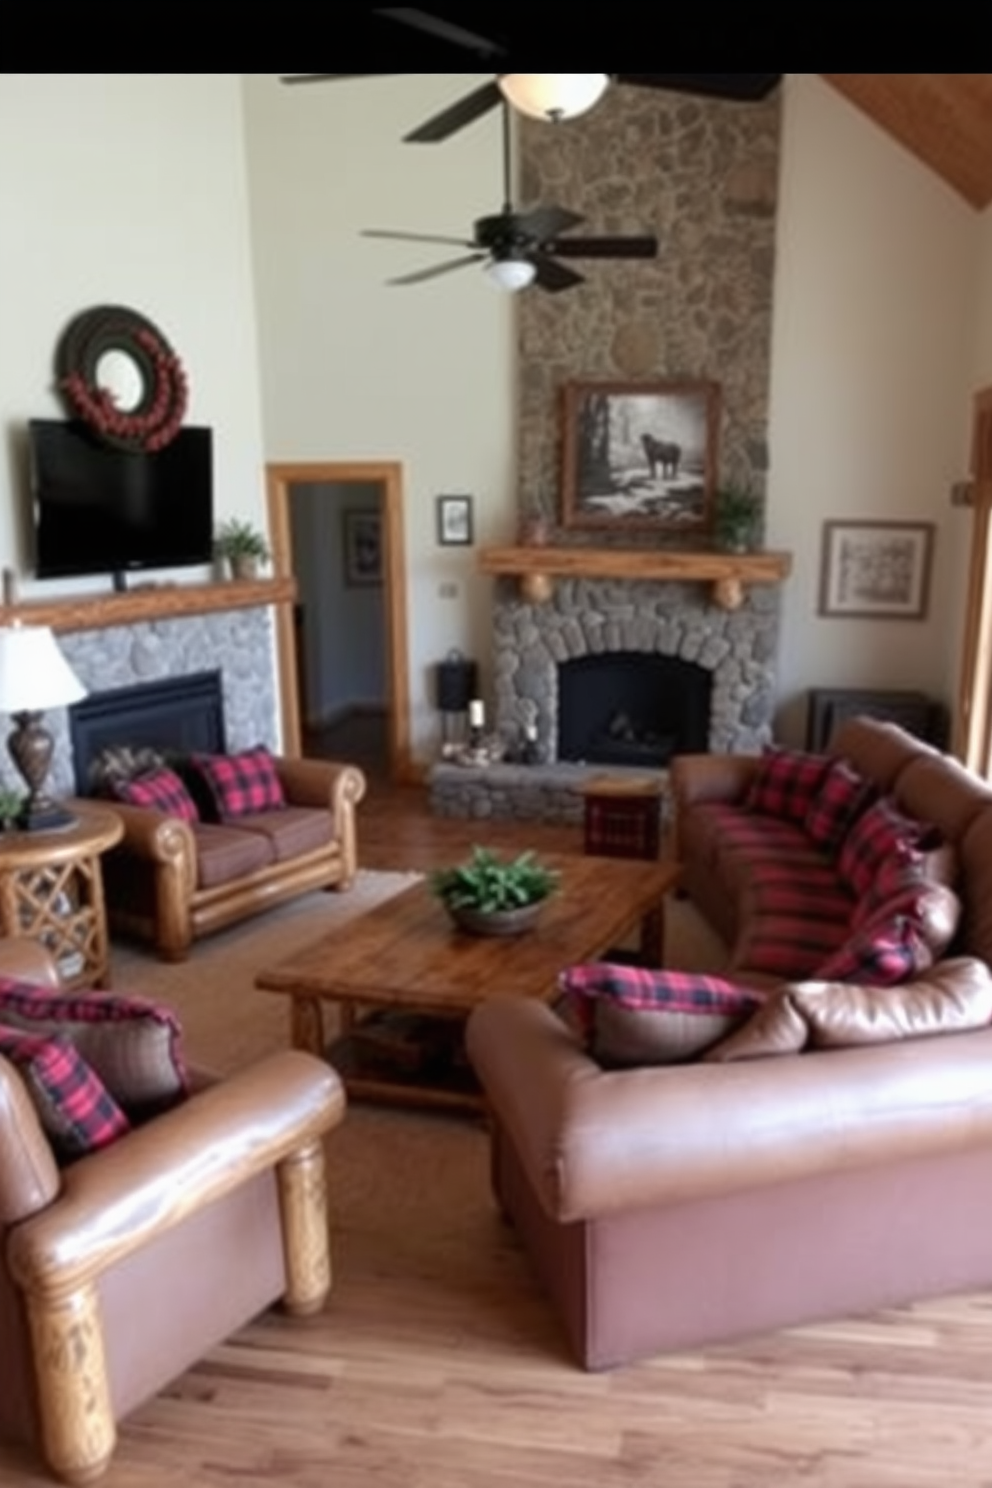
(119, 1271)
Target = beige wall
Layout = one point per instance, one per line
(877, 271)
(126, 189)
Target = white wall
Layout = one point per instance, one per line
(877, 272)
(126, 189)
(354, 369)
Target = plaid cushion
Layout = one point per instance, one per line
(240, 783)
(881, 837)
(75, 1108)
(888, 950)
(792, 918)
(631, 1015)
(786, 783)
(132, 1046)
(160, 789)
(842, 797)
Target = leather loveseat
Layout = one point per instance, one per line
(668, 1207)
(171, 880)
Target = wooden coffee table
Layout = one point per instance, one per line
(403, 979)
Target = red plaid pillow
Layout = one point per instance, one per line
(842, 797)
(75, 1108)
(161, 789)
(787, 783)
(631, 1015)
(133, 1046)
(890, 949)
(880, 837)
(240, 784)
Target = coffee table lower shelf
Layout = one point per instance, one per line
(407, 1059)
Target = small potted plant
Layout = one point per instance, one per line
(489, 895)
(737, 518)
(243, 546)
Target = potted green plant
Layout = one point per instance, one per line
(489, 895)
(242, 546)
(737, 518)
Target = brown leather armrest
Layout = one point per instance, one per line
(598, 1142)
(28, 961)
(710, 777)
(116, 1200)
(156, 836)
(311, 782)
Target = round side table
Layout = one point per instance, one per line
(51, 889)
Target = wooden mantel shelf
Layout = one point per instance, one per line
(727, 572)
(151, 602)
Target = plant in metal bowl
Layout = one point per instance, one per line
(489, 895)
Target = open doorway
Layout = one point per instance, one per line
(337, 530)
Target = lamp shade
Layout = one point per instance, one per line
(511, 273)
(553, 95)
(34, 675)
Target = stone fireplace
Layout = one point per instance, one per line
(236, 642)
(715, 684)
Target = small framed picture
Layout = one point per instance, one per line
(876, 569)
(362, 532)
(454, 521)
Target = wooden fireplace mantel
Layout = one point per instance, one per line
(536, 567)
(148, 602)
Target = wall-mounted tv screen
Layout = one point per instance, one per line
(98, 509)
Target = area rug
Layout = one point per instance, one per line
(227, 1022)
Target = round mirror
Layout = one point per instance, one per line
(118, 374)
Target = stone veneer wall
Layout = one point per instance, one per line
(596, 616)
(702, 175)
(239, 642)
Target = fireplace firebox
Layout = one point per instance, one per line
(182, 713)
(632, 708)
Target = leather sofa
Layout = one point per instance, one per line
(670, 1207)
(170, 881)
(119, 1271)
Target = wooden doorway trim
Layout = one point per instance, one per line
(972, 734)
(387, 476)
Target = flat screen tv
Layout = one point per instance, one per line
(98, 509)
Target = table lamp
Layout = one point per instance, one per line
(34, 675)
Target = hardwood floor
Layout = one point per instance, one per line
(437, 1363)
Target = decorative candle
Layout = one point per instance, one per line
(476, 714)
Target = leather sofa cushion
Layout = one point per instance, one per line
(293, 831)
(227, 853)
(954, 997)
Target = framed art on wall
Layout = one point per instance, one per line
(454, 521)
(362, 535)
(639, 456)
(876, 569)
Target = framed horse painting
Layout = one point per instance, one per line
(639, 456)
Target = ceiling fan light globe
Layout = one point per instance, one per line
(553, 95)
(511, 273)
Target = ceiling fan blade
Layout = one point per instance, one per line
(444, 30)
(546, 222)
(419, 275)
(413, 237)
(465, 111)
(740, 87)
(640, 247)
(552, 275)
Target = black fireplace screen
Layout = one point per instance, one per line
(181, 713)
(632, 708)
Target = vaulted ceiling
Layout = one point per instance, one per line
(943, 118)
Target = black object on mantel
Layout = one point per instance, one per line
(915, 712)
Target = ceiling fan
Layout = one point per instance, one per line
(555, 96)
(522, 248)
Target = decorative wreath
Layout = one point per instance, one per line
(159, 413)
